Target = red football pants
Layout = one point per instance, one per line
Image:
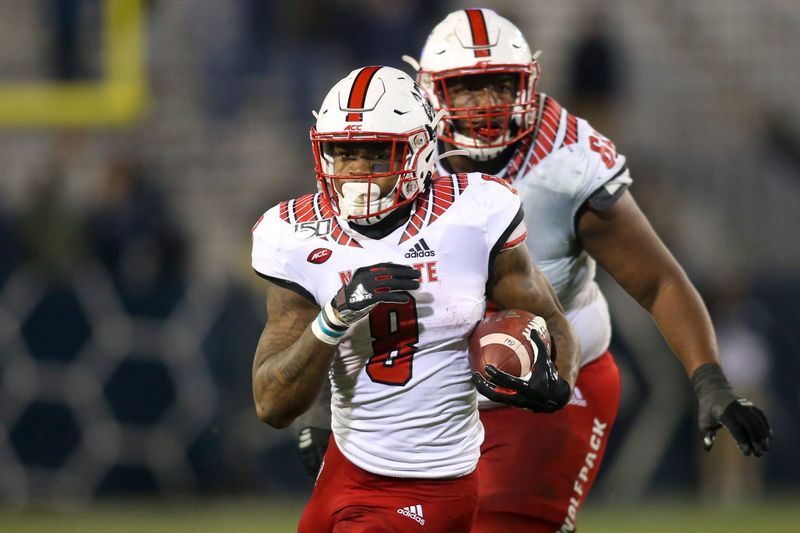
(349, 499)
(536, 469)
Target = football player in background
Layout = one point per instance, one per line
(536, 469)
(347, 300)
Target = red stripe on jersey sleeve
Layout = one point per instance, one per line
(284, 211)
(548, 130)
(304, 208)
(463, 182)
(341, 237)
(415, 224)
(443, 196)
(257, 223)
(324, 206)
(437, 201)
(518, 159)
(515, 242)
(572, 130)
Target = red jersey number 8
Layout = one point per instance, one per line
(395, 333)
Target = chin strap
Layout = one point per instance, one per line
(438, 118)
(451, 153)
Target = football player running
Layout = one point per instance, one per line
(536, 470)
(349, 300)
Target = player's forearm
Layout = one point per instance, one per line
(286, 382)
(566, 347)
(684, 322)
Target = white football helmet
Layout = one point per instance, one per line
(375, 104)
(472, 42)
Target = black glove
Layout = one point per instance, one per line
(371, 285)
(312, 444)
(544, 392)
(718, 406)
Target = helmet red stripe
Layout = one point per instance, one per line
(480, 35)
(358, 92)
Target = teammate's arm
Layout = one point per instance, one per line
(291, 363)
(622, 241)
(516, 283)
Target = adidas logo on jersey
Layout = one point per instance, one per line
(421, 249)
(577, 398)
(413, 512)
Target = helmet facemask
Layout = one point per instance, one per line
(486, 129)
(365, 176)
(383, 125)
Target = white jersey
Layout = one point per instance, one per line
(402, 401)
(560, 167)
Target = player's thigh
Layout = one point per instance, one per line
(347, 498)
(542, 465)
(438, 517)
(407, 508)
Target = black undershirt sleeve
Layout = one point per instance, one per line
(292, 286)
(601, 199)
(504, 238)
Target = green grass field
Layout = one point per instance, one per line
(201, 516)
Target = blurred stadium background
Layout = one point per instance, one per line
(140, 140)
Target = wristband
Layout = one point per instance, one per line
(714, 393)
(709, 379)
(327, 327)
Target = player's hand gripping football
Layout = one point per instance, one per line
(718, 406)
(544, 392)
(369, 286)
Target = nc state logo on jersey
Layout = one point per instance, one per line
(319, 256)
(428, 270)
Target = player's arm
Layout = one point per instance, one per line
(622, 241)
(515, 283)
(299, 340)
(290, 363)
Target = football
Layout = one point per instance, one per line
(503, 341)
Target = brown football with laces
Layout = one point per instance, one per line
(503, 340)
